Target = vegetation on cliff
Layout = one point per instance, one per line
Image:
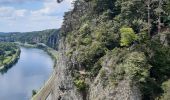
(132, 36)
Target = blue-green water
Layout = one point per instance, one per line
(30, 72)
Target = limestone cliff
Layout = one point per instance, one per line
(105, 54)
(68, 66)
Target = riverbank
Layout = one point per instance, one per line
(26, 45)
(30, 72)
(53, 53)
(46, 88)
(10, 60)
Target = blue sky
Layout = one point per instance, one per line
(31, 15)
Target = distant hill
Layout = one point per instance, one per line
(2, 33)
(48, 37)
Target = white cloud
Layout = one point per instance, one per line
(11, 13)
(51, 8)
(18, 1)
(21, 13)
(49, 16)
(6, 11)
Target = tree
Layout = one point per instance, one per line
(166, 15)
(167, 7)
(127, 36)
(2, 53)
(148, 4)
(59, 1)
(34, 92)
(159, 11)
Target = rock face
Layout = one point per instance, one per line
(64, 87)
(123, 91)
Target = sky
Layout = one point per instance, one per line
(32, 15)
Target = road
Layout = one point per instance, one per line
(44, 92)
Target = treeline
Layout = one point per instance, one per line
(9, 53)
(48, 37)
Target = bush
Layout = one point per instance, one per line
(80, 84)
(85, 29)
(127, 36)
(166, 88)
(34, 92)
(103, 73)
(95, 70)
(136, 66)
(87, 40)
(160, 59)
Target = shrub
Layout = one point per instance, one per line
(103, 73)
(143, 37)
(80, 84)
(95, 70)
(127, 36)
(85, 29)
(34, 92)
(136, 66)
(87, 40)
(166, 88)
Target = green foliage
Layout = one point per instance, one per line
(7, 51)
(103, 5)
(99, 31)
(80, 84)
(143, 37)
(139, 25)
(136, 66)
(9, 54)
(92, 39)
(87, 41)
(127, 36)
(89, 55)
(34, 92)
(130, 64)
(166, 20)
(166, 88)
(85, 29)
(160, 59)
(95, 70)
(46, 37)
(102, 73)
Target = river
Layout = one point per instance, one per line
(30, 72)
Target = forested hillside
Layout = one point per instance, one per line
(9, 53)
(115, 50)
(48, 37)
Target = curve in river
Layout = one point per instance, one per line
(30, 72)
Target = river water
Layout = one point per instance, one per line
(30, 72)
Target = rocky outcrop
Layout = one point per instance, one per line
(64, 88)
(123, 91)
(98, 88)
(72, 19)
